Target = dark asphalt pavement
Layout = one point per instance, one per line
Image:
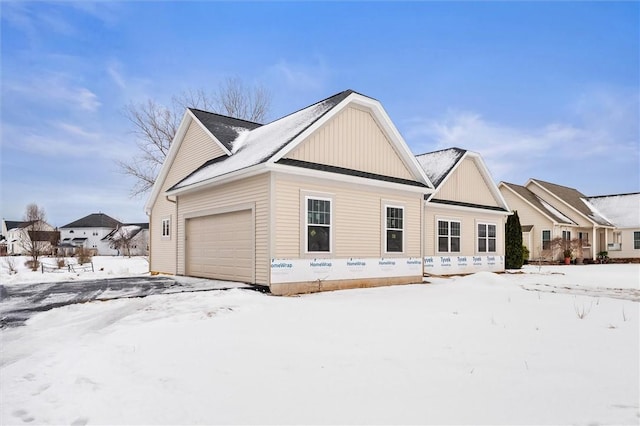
(19, 302)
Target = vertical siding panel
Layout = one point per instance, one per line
(466, 184)
(352, 140)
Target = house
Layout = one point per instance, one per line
(21, 237)
(464, 218)
(623, 211)
(89, 232)
(548, 211)
(129, 239)
(327, 197)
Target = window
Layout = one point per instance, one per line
(166, 228)
(486, 238)
(636, 240)
(394, 229)
(318, 225)
(546, 239)
(584, 238)
(448, 236)
(566, 235)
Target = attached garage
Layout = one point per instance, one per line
(221, 246)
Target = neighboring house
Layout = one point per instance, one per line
(89, 232)
(328, 197)
(464, 218)
(548, 211)
(130, 239)
(622, 210)
(19, 236)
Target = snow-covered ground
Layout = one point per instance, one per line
(103, 267)
(559, 345)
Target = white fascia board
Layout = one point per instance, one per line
(427, 203)
(226, 178)
(593, 222)
(320, 174)
(187, 118)
(381, 117)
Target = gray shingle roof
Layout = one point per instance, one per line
(13, 224)
(438, 164)
(94, 220)
(225, 129)
(258, 145)
(537, 202)
(575, 199)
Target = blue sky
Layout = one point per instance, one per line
(548, 90)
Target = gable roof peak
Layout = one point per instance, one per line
(94, 220)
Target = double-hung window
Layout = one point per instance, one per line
(394, 229)
(448, 236)
(166, 228)
(546, 239)
(318, 226)
(486, 238)
(636, 240)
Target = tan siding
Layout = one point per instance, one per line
(353, 140)
(357, 217)
(530, 216)
(253, 190)
(468, 230)
(196, 148)
(466, 184)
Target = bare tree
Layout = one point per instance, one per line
(155, 125)
(38, 237)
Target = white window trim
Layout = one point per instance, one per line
(487, 252)
(542, 238)
(162, 228)
(304, 222)
(437, 236)
(384, 228)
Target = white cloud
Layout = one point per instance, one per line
(54, 89)
(601, 127)
(302, 76)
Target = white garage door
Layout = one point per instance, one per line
(221, 246)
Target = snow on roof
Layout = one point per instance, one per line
(258, 145)
(621, 210)
(125, 231)
(554, 212)
(439, 163)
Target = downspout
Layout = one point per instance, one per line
(175, 272)
(594, 243)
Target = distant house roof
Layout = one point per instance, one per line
(575, 199)
(623, 210)
(438, 164)
(539, 203)
(254, 146)
(94, 220)
(13, 224)
(129, 230)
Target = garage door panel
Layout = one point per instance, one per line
(221, 246)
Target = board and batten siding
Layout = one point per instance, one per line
(468, 231)
(352, 140)
(466, 184)
(197, 147)
(357, 223)
(249, 191)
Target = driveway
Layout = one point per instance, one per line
(18, 302)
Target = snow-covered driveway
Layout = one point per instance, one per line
(19, 302)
